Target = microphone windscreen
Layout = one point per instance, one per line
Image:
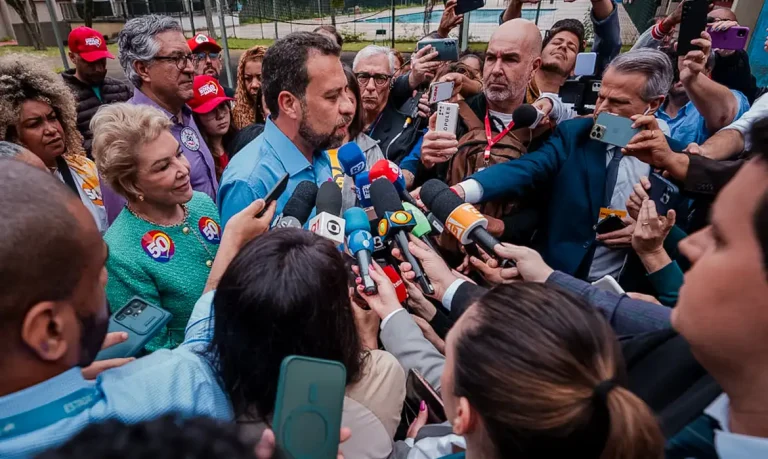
(351, 159)
(385, 197)
(301, 202)
(440, 199)
(329, 198)
(390, 171)
(524, 116)
(422, 224)
(356, 219)
(400, 289)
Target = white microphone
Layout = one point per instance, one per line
(327, 222)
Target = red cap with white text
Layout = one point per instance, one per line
(208, 94)
(88, 44)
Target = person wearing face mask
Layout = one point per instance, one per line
(207, 58)
(634, 83)
(164, 242)
(89, 81)
(213, 113)
(37, 111)
(249, 102)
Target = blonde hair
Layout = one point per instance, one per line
(119, 132)
(247, 111)
(24, 78)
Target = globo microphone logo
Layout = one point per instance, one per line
(333, 227)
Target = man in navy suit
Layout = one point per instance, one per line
(587, 179)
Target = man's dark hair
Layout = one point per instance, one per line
(285, 293)
(566, 25)
(332, 30)
(357, 121)
(43, 256)
(759, 136)
(285, 65)
(168, 437)
(243, 137)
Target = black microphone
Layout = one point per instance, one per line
(298, 207)
(461, 219)
(395, 224)
(525, 116)
(327, 222)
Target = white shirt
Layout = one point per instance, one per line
(730, 445)
(758, 111)
(505, 118)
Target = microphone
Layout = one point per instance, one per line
(400, 289)
(423, 229)
(391, 171)
(298, 207)
(363, 192)
(525, 116)
(461, 219)
(360, 244)
(351, 159)
(395, 224)
(327, 222)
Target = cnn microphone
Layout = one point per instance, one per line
(327, 222)
(461, 219)
(423, 229)
(391, 171)
(298, 207)
(351, 159)
(360, 244)
(395, 224)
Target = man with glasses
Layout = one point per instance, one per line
(208, 58)
(157, 60)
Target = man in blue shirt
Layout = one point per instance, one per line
(305, 90)
(697, 106)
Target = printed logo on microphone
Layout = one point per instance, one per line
(357, 168)
(158, 245)
(333, 227)
(210, 230)
(401, 217)
(378, 243)
(383, 227)
(462, 219)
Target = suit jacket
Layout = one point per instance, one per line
(708, 176)
(572, 166)
(403, 339)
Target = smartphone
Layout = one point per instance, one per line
(613, 129)
(608, 284)
(308, 408)
(417, 389)
(585, 64)
(734, 38)
(439, 92)
(142, 321)
(665, 194)
(463, 6)
(447, 48)
(609, 224)
(693, 22)
(274, 193)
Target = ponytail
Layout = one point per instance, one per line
(633, 431)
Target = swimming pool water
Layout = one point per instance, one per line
(484, 16)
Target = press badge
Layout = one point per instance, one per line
(607, 211)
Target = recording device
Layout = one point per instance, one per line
(351, 159)
(447, 117)
(613, 129)
(142, 321)
(395, 224)
(609, 224)
(308, 407)
(423, 229)
(464, 6)
(461, 219)
(391, 172)
(327, 222)
(692, 23)
(417, 389)
(585, 64)
(734, 38)
(582, 93)
(400, 289)
(447, 48)
(665, 194)
(439, 92)
(299, 206)
(525, 116)
(360, 244)
(274, 193)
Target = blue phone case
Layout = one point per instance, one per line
(142, 321)
(613, 130)
(665, 194)
(447, 48)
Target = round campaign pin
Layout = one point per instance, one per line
(158, 245)
(210, 230)
(190, 139)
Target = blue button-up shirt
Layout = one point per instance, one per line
(202, 173)
(689, 125)
(257, 168)
(178, 381)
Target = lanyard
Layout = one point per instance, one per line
(49, 414)
(493, 141)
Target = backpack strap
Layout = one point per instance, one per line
(470, 119)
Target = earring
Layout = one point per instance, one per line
(141, 197)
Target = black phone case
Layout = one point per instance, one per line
(609, 224)
(664, 194)
(693, 22)
(462, 6)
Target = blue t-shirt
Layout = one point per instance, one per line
(689, 125)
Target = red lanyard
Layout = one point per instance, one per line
(493, 141)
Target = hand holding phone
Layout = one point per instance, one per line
(142, 321)
(613, 129)
(693, 22)
(274, 193)
(441, 91)
(665, 194)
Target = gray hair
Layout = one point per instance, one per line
(654, 64)
(136, 42)
(10, 150)
(375, 50)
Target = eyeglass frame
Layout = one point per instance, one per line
(368, 77)
(177, 59)
(201, 55)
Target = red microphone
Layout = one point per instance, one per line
(391, 171)
(397, 281)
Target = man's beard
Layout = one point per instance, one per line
(209, 70)
(95, 79)
(318, 140)
(554, 67)
(92, 334)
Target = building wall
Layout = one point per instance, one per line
(754, 14)
(45, 24)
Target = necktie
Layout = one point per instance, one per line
(611, 175)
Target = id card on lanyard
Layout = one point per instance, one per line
(493, 141)
(49, 414)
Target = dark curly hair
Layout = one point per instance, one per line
(168, 437)
(284, 294)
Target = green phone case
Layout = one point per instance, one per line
(613, 129)
(308, 408)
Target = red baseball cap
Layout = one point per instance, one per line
(88, 44)
(208, 94)
(201, 40)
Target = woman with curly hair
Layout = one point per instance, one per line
(249, 107)
(37, 111)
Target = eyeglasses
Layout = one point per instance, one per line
(199, 57)
(181, 61)
(379, 79)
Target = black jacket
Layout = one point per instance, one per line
(112, 90)
(735, 73)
